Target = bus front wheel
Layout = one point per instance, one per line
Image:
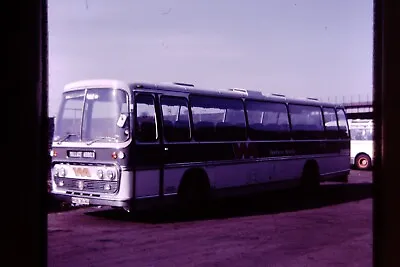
(194, 191)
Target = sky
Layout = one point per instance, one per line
(314, 48)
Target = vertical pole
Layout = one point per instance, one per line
(386, 146)
(25, 239)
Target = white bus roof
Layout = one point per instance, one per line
(360, 120)
(359, 123)
(95, 83)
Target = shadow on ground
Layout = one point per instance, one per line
(261, 204)
(54, 206)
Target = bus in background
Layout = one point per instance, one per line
(130, 144)
(50, 141)
(362, 144)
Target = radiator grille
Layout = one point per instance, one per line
(88, 185)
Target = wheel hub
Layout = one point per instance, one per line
(363, 162)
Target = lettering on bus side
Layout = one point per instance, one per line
(281, 153)
(245, 150)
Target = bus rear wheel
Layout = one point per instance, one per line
(310, 180)
(363, 162)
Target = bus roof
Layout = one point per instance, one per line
(361, 120)
(190, 88)
(355, 123)
(95, 83)
(229, 92)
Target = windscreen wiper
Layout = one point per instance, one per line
(65, 137)
(102, 138)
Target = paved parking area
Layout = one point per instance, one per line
(334, 229)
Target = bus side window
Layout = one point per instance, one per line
(175, 119)
(234, 126)
(306, 122)
(267, 121)
(343, 126)
(145, 118)
(331, 125)
(218, 119)
(276, 121)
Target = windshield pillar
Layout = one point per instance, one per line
(83, 113)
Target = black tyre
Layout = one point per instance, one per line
(194, 192)
(310, 180)
(363, 162)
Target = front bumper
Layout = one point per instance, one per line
(94, 201)
(121, 193)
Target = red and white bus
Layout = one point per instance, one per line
(122, 144)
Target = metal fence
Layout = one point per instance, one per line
(349, 99)
(352, 103)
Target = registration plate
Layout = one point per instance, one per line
(80, 201)
(81, 154)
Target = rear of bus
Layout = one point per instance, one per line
(362, 145)
(90, 145)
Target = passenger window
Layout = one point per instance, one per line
(267, 120)
(218, 119)
(176, 121)
(331, 124)
(276, 114)
(306, 122)
(361, 133)
(146, 119)
(343, 126)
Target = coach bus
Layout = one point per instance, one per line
(126, 145)
(362, 145)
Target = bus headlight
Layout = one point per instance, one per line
(62, 172)
(110, 174)
(100, 174)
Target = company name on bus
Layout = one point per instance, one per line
(285, 152)
(250, 151)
